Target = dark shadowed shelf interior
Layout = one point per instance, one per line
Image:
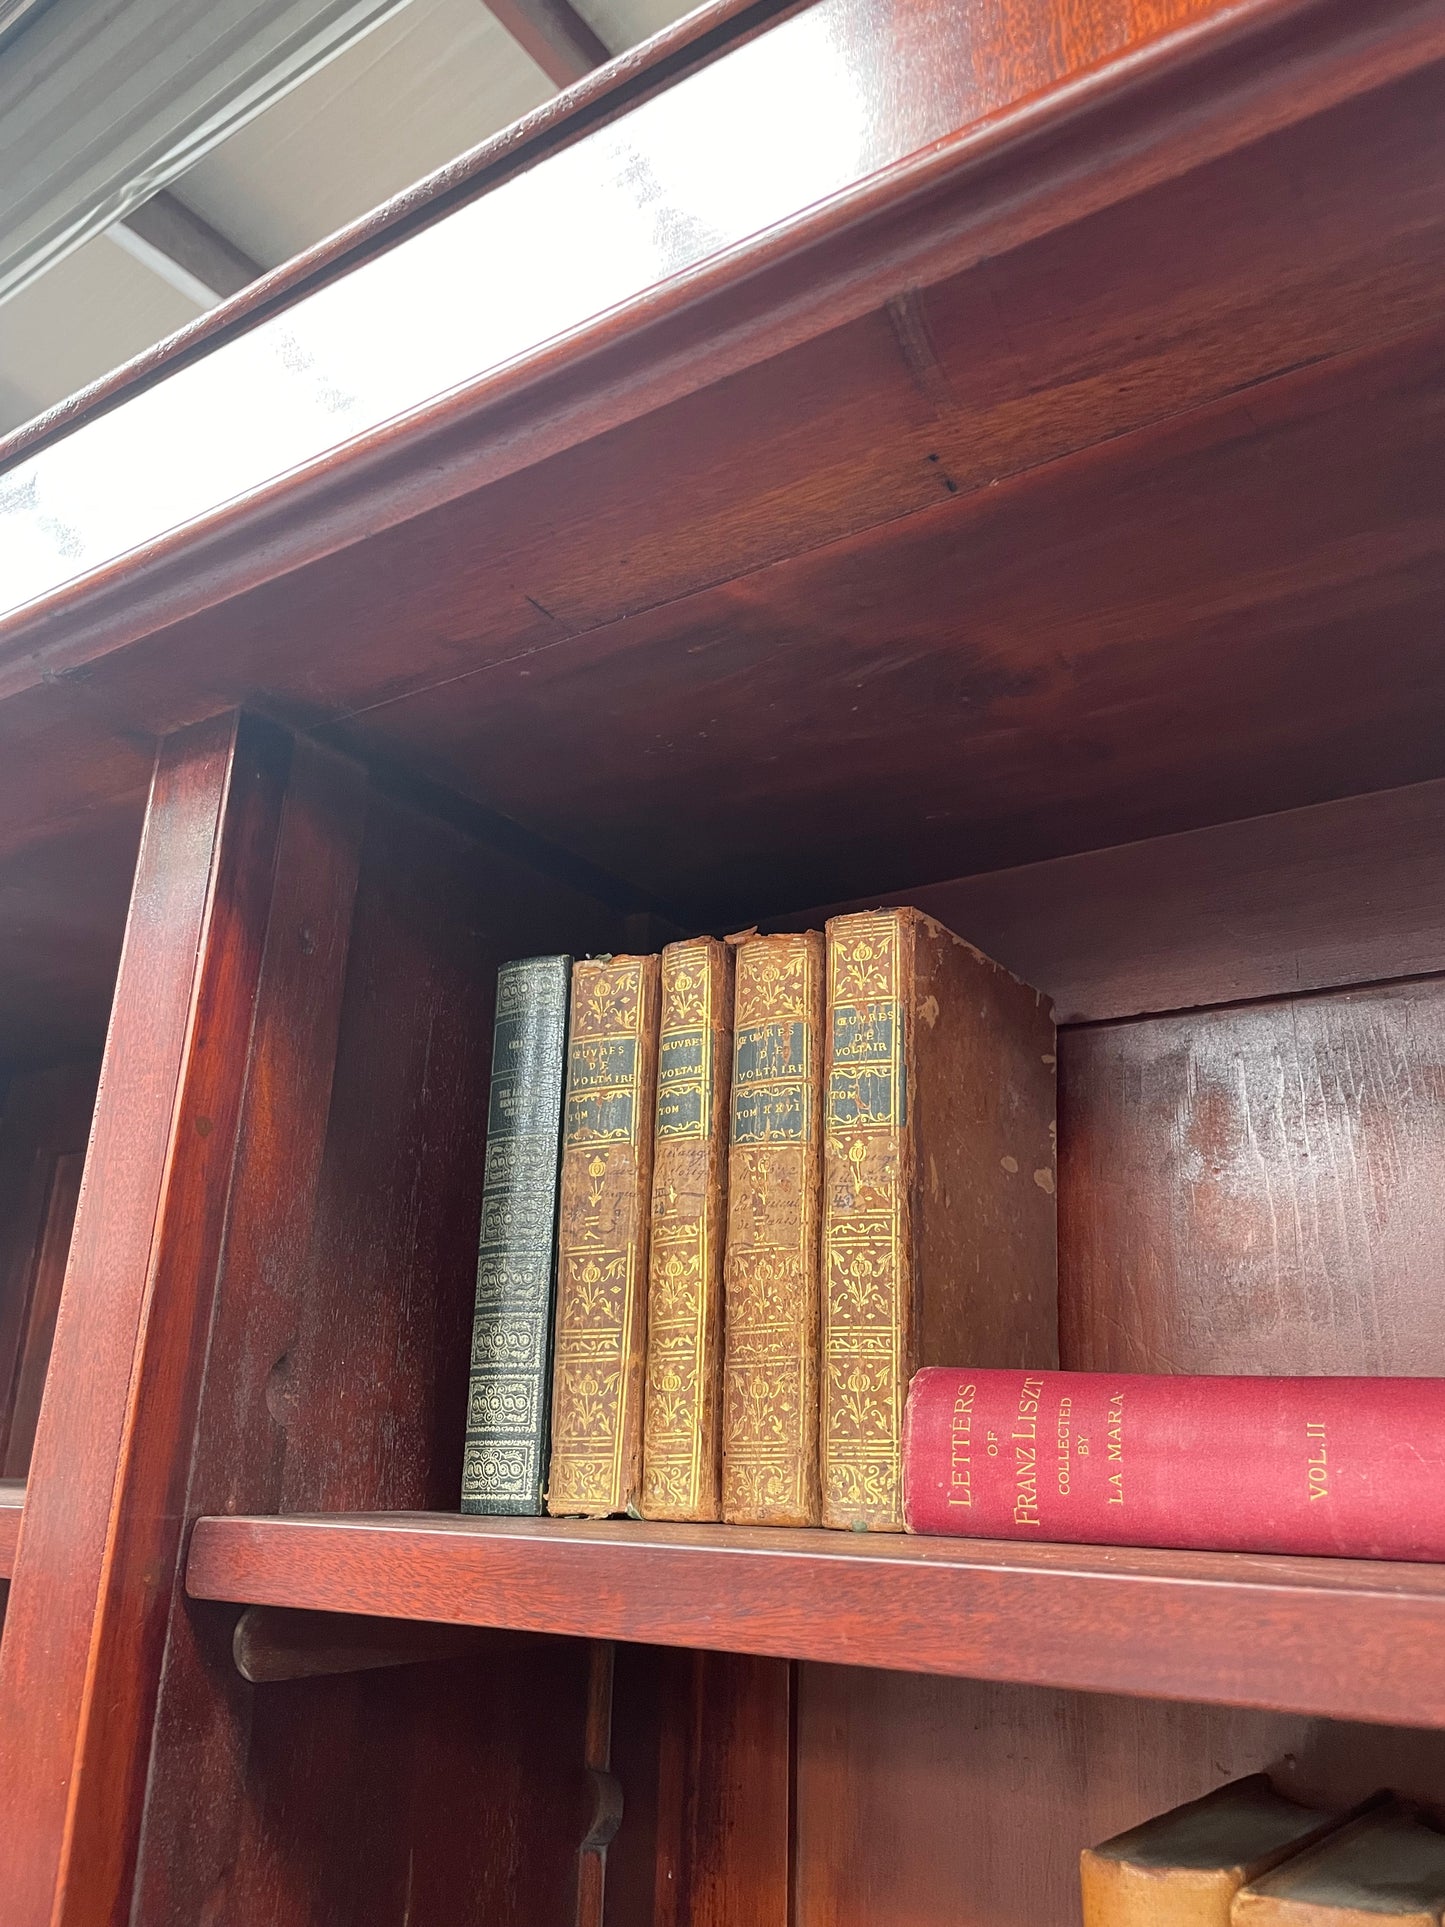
(12, 1501)
(1010, 481)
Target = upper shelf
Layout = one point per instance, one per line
(1337, 1638)
(12, 1503)
(1037, 432)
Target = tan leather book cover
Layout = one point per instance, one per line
(1184, 1868)
(682, 1427)
(770, 1389)
(939, 1234)
(1385, 1869)
(602, 1238)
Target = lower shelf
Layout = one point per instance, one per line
(12, 1504)
(1342, 1638)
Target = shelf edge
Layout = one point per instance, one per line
(1151, 1628)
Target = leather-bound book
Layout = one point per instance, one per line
(939, 1238)
(1349, 1467)
(1184, 1868)
(602, 1230)
(770, 1391)
(1386, 1869)
(682, 1427)
(504, 1462)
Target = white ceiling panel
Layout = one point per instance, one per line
(622, 23)
(102, 102)
(93, 310)
(432, 82)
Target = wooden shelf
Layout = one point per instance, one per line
(1341, 1638)
(12, 1504)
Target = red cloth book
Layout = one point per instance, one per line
(1353, 1467)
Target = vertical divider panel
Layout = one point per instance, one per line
(101, 1536)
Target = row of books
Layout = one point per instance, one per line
(735, 1196)
(1244, 1856)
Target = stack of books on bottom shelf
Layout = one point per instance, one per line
(735, 1196)
(1244, 1856)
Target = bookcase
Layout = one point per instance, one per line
(979, 455)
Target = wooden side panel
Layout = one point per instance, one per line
(85, 1607)
(939, 1802)
(702, 1750)
(1257, 1189)
(337, 1377)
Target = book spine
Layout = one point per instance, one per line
(1351, 1467)
(682, 1423)
(602, 1238)
(867, 1243)
(770, 1390)
(505, 1452)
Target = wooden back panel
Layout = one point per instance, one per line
(1257, 1188)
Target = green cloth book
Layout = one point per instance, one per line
(505, 1461)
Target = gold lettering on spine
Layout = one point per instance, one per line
(684, 1332)
(1317, 1466)
(770, 1391)
(602, 1237)
(1114, 1446)
(1024, 1436)
(864, 1205)
(960, 1428)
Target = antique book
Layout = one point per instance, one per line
(939, 1238)
(1353, 1467)
(601, 1328)
(1385, 1869)
(770, 1370)
(682, 1420)
(1183, 1868)
(504, 1461)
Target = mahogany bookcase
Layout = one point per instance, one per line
(984, 453)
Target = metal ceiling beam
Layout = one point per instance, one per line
(555, 35)
(100, 107)
(184, 250)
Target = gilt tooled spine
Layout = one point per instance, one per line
(506, 1439)
(867, 1250)
(602, 1238)
(770, 1390)
(682, 1426)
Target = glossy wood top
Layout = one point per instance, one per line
(12, 1504)
(1334, 1637)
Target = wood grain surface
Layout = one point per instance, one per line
(1256, 1189)
(1341, 893)
(921, 1800)
(1342, 1638)
(713, 1777)
(88, 1597)
(1249, 403)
